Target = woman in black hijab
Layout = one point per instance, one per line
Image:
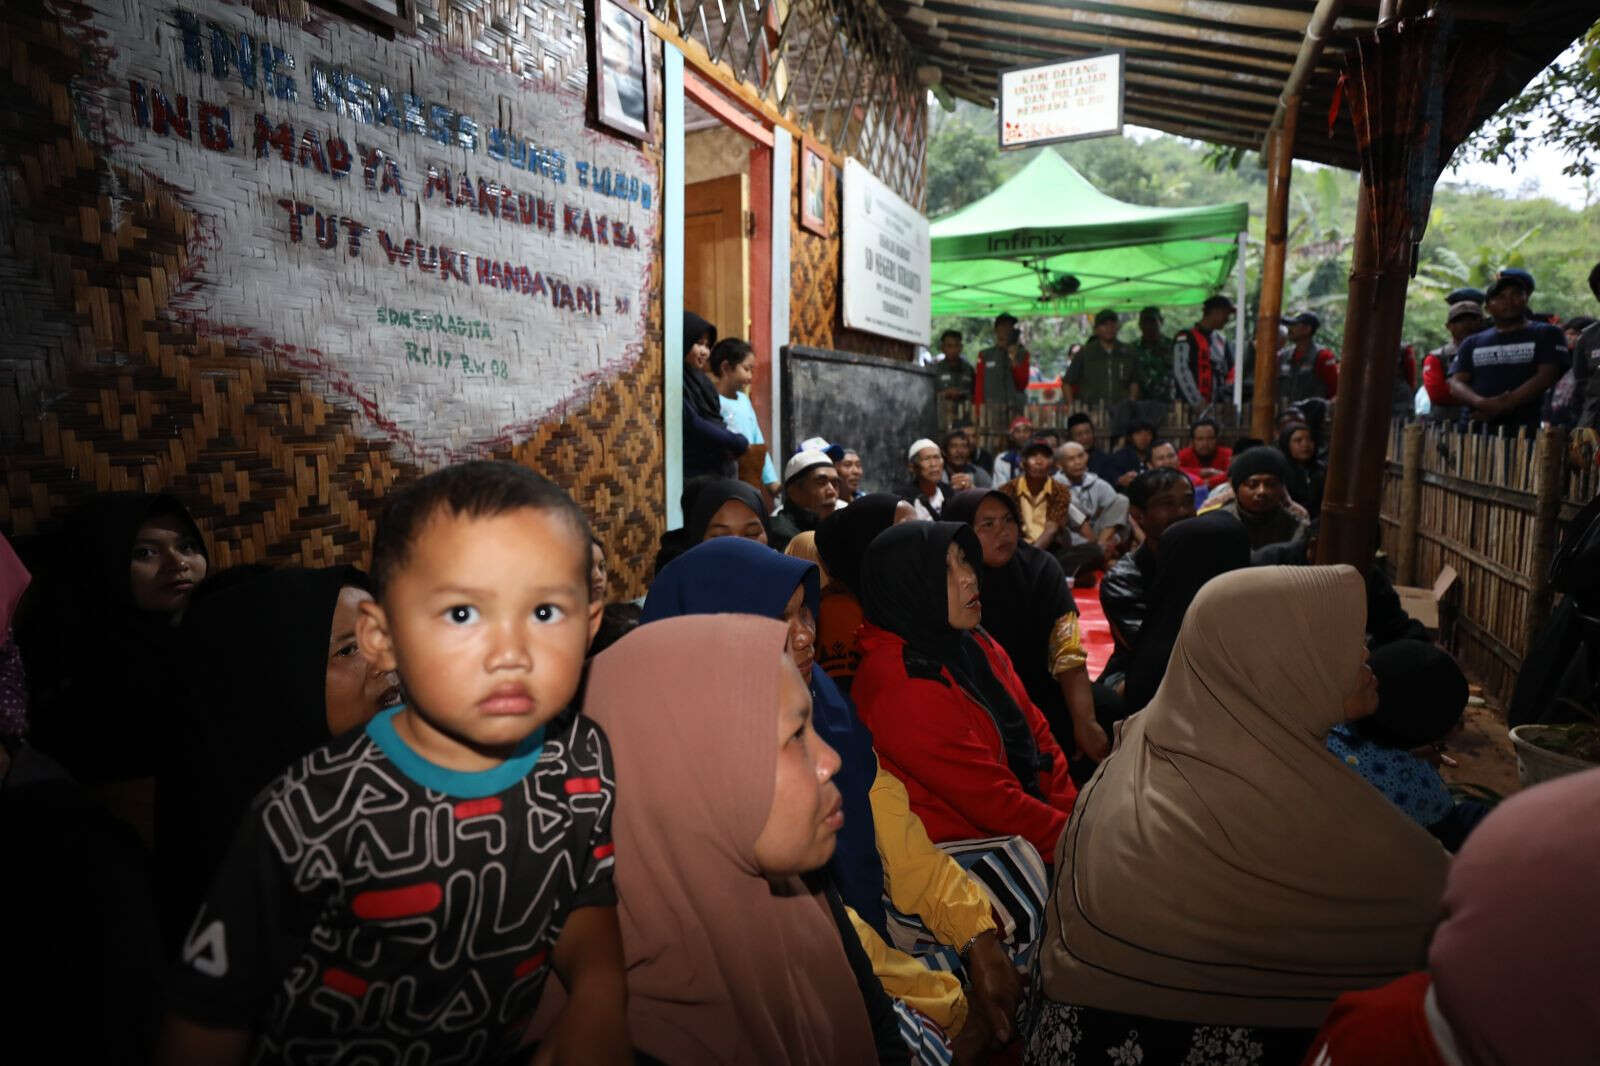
(1316, 413)
(709, 447)
(1029, 609)
(949, 715)
(712, 515)
(842, 540)
(97, 637)
(1192, 553)
(1306, 472)
(277, 672)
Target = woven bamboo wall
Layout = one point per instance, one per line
(104, 386)
(1478, 502)
(814, 305)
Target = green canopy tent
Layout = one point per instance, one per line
(1048, 224)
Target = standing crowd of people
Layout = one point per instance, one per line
(840, 790)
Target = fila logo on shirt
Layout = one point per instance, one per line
(207, 950)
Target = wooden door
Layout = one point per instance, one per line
(716, 253)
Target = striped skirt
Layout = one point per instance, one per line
(1013, 877)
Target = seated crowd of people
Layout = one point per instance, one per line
(840, 790)
(855, 801)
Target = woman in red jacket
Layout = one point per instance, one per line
(947, 712)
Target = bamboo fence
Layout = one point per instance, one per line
(1492, 507)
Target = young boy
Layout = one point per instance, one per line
(401, 894)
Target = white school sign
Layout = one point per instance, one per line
(886, 260)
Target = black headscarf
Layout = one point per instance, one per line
(1421, 694)
(698, 389)
(1315, 411)
(1022, 601)
(843, 536)
(711, 498)
(103, 716)
(1258, 460)
(1192, 553)
(904, 589)
(256, 702)
(1305, 480)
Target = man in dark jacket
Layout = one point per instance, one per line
(709, 447)
(1157, 500)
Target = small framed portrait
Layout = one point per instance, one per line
(619, 66)
(393, 14)
(813, 189)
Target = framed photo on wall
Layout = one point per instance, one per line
(813, 189)
(619, 68)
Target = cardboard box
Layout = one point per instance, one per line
(1423, 604)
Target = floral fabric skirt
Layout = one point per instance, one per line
(1058, 1034)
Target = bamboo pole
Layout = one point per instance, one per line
(1366, 385)
(1548, 463)
(1405, 564)
(1274, 251)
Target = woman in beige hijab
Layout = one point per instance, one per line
(1224, 879)
(732, 956)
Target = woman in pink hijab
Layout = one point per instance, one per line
(1513, 975)
(725, 801)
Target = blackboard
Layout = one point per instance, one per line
(875, 406)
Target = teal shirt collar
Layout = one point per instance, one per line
(458, 783)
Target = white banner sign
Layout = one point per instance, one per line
(885, 252)
(439, 241)
(1061, 101)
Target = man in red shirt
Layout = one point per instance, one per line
(1465, 319)
(1205, 459)
(1001, 376)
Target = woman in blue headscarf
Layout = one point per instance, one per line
(882, 848)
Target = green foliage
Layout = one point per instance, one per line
(963, 163)
(1472, 231)
(1560, 110)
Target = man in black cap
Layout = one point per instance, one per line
(1501, 374)
(1001, 376)
(1465, 295)
(1103, 369)
(1200, 355)
(1522, 275)
(1463, 320)
(1048, 514)
(1304, 370)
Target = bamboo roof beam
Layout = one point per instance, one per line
(1254, 16)
(1184, 77)
(1243, 134)
(1016, 11)
(973, 47)
(1276, 68)
(1257, 118)
(1322, 20)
